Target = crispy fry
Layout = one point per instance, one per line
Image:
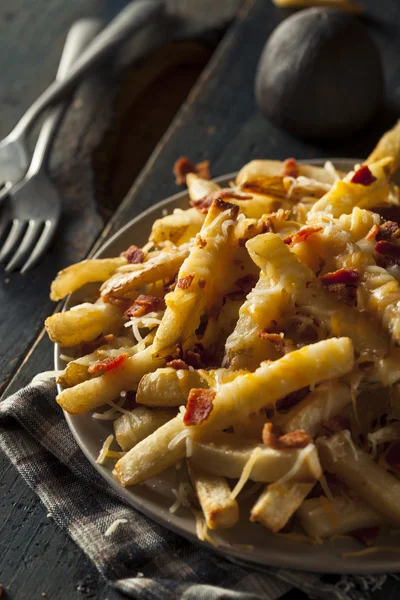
(278, 503)
(83, 323)
(164, 265)
(207, 261)
(214, 494)
(95, 392)
(179, 227)
(133, 427)
(356, 468)
(323, 518)
(75, 276)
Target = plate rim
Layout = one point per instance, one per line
(298, 561)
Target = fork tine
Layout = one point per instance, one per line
(26, 246)
(13, 238)
(41, 245)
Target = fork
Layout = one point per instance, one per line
(13, 155)
(31, 209)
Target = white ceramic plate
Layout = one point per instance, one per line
(155, 497)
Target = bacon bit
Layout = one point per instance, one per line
(372, 233)
(343, 283)
(185, 282)
(143, 305)
(392, 456)
(134, 255)
(345, 293)
(130, 400)
(301, 236)
(388, 249)
(108, 364)
(177, 363)
(294, 439)
(202, 283)
(345, 276)
(203, 169)
(222, 206)
(225, 194)
(286, 403)
(365, 535)
(269, 435)
(290, 168)
(363, 176)
(199, 406)
(201, 242)
(336, 424)
(246, 283)
(389, 230)
(183, 166)
(122, 303)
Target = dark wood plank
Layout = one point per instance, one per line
(220, 121)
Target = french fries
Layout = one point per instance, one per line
(323, 518)
(163, 266)
(83, 323)
(227, 454)
(134, 426)
(168, 387)
(271, 381)
(220, 510)
(95, 392)
(356, 468)
(257, 328)
(76, 276)
(149, 457)
(278, 503)
(196, 289)
(178, 228)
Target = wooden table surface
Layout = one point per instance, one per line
(219, 121)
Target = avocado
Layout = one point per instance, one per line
(319, 75)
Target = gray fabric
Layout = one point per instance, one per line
(141, 559)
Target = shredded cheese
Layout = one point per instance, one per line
(325, 487)
(182, 497)
(177, 439)
(114, 526)
(303, 454)
(105, 448)
(246, 472)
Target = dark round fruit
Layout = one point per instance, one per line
(320, 74)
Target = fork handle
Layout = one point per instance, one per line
(130, 20)
(79, 37)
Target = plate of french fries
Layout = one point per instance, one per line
(229, 361)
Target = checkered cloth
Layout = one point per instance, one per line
(141, 558)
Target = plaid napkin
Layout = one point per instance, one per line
(141, 558)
